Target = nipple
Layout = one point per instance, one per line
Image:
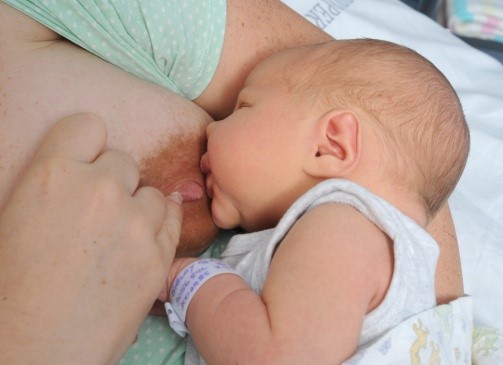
(190, 190)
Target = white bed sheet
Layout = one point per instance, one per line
(477, 203)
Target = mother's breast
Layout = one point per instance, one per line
(44, 80)
(174, 165)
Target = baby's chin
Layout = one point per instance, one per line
(224, 222)
(198, 228)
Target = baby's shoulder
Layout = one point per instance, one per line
(346, 246)
(340, 227)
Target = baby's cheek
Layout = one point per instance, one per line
(224, 213)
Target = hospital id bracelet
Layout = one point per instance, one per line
(185, 287)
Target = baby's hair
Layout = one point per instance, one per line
(425, 137)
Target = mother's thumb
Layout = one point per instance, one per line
(169, 234)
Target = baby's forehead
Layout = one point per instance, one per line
(279, 67)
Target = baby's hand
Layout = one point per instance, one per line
(177, 266)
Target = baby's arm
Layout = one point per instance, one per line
(332, 268)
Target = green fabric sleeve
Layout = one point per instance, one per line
(173, 43)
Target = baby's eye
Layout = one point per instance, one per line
(241, 105)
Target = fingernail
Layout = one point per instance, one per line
(176, 197)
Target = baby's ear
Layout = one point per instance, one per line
(337, 145)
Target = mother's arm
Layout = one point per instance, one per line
(449, 278)
(254, 30)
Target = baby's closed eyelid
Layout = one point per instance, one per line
(242, 104)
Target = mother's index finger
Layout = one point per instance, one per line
(80, 137)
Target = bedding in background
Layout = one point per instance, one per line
(477, 203)
(441, 335)
(476, 18)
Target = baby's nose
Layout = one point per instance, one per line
(209, 129)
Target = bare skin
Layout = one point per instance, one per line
(63, 264)
(154, 125)
(255, 30)
(43, 77)
(449, 278)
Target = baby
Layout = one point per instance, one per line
(347, 148)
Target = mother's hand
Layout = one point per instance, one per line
(83, 253)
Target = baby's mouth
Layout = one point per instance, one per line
(209, 186)
(205, 169)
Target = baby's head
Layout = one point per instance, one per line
(365, 110)
(411, 108)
